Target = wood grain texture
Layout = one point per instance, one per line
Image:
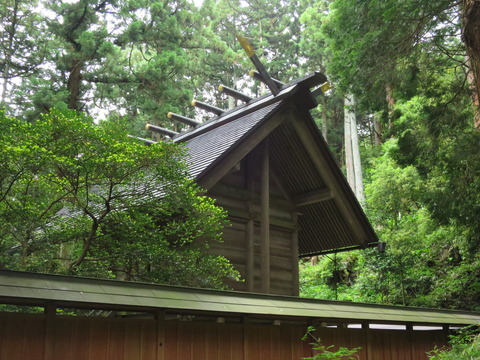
(89, 338)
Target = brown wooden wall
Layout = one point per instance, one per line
(38, 337)
(233, 198)
(239, 192)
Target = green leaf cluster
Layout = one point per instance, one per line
(405, 63)
(464, 346)
(427, 263)
(82, 198)
(324, 352)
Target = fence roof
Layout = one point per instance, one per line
(67, 291)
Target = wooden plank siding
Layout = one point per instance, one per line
(235, 248)
(24, 336)
(272, 143)
(240, 194)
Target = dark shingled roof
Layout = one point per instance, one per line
(205, 148)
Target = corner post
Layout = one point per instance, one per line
(295, 257)
(250, 231)
(265, 218)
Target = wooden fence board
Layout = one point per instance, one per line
(237, 339)
(20, 337)
(34, 342)
(184, 344)
(211, 346)
(80, 338)
(252, 345)
(116, 340)
(198, 339)
(170, 346)
(100, 337)
(225, 341)
(425, 341)
(132, 341)
(148, 339)
(62, 338)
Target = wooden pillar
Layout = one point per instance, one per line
(265, 220)
(295, 258)
(411, 340)
(250, 255)
(250, 231)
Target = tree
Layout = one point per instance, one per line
(20, 46)
(374, 56)
(114, 57)
(442, 147)
(405, 65)
(313, 54)
(427, 263)
(378, 54)
(352, 151)
(470, 13)
(81, 198)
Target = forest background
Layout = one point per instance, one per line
(405, 74)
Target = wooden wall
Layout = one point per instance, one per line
(239, 194)
(38, 337)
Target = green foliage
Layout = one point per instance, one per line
(426, 263)
(464, 346)
(21, 309)
(20, 43)
(132, 61)
(423, 257)
(82, 198)
(404, 61)
(331, 277)
(388, 207)
(108, 58)
(439, 141)
(371, 43)
(323, 352)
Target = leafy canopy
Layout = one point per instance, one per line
(79, 197)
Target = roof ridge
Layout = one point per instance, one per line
(286, 90)
(233, 114)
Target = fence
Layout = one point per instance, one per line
(42, 337)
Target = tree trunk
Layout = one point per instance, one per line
(471, 38)
(377, 129)
(349, 114)
(390, 104)
(352, 150)
(8, 56)
(86, 244)
(73, 85)
(232, 102)
(357, 163)
(324, 119)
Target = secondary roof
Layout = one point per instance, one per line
(67, 291)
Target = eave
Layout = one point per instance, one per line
(76, 292)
